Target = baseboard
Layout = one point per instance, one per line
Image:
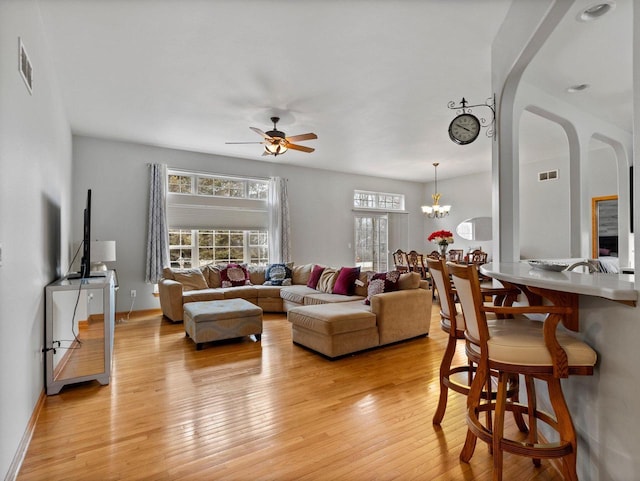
(18, 458)
(141, 313)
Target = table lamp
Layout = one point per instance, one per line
(101, 252)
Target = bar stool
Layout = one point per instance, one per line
(537, 352)
(452, 322)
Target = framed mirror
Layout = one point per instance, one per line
(604, 226)
(475, 229)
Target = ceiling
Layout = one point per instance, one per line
(372, 78)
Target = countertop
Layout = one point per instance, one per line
(616, 287)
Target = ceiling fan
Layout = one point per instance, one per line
(276, 142)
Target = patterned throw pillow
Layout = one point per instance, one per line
(382, 282)
(234, 275)
(278, 275)
(346, 281)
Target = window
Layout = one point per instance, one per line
(377, 200)
(216, 219)
(198, 247)
(218, 186)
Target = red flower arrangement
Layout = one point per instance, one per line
(441, 237)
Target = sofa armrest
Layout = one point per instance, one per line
(402, 314)
(171, 299)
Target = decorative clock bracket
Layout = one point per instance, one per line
(464, 108)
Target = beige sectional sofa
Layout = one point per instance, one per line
(332, 324)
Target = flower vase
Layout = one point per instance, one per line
(443, 250)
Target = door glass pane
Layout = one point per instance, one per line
(371, 242)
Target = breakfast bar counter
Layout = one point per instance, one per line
(616, 287)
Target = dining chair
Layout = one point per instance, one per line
(452, 322)
(434, 255)
(455, 255)
(534, 350)
(416, 263)
(478, 257)
(400, 260)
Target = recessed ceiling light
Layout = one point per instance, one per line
(596, 11)
(577, 88)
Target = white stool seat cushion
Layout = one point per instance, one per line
(522, 343)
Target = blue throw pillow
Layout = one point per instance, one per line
(277, 275)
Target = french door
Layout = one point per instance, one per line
(371, 241)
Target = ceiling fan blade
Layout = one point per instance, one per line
(260, 132)
(297, 138)
(301, 148)
(244, 142)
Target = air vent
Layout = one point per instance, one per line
(26, 70)
(549, 175)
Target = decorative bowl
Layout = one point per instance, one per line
(548, 266)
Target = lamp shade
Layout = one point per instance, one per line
(101, 252)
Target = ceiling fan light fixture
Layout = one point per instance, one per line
(275, 148)
(596, 11)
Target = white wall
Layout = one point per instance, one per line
(320, 204)
(469, 196)
(35, 184)
(545, 217)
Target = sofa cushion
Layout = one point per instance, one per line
(345, 281)
(212, 275)
(191, 279)
(314, 277)
(331, 319)
(326, 298)
(296, 293)
(363, 283)
(300, 274)
(256, 274)
(409, 280)
(267, 291)
(243, 292)
(382, 282)
(202, 295)
(234, 275)
(327, 280)
(278, 275)
(167, 273)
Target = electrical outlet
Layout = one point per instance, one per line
(133, 293)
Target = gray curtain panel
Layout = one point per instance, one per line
(279, 230)
(158, 234)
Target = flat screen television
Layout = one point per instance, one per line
(85, 261)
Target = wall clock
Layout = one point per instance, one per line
(464, 129)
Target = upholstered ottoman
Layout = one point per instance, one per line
(333, 329)
(208, 321)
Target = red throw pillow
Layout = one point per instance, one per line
(346, 281)
(315, 276)
(234, 275)
(382, 282)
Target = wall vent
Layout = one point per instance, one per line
(548, 175)
(24, 64)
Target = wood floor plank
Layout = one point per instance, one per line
(271, 410)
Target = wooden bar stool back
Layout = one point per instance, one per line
(532, 349)
(452, 322)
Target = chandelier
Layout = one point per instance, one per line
(436, 210)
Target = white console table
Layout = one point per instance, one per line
(79, 322)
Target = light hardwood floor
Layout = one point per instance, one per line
(259, 411)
